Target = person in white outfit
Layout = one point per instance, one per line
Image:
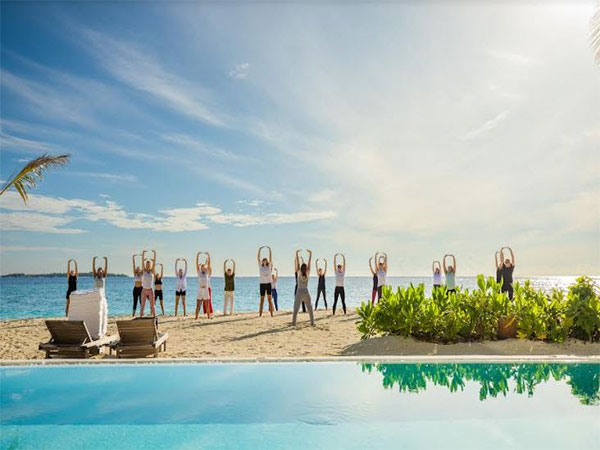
(382, 268)
(204, 272)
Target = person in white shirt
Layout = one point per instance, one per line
(340, 274)
(437, 275)
(274, 278)
(382, 267)
(265, 269)
(181, 284)
(147, 279)
(204, 273)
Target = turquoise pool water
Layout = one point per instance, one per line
(301, 405)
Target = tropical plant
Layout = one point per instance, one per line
(583, 308)
(32, 173)
(485, 313)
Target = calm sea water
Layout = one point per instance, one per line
(45, 296)
(301, 405)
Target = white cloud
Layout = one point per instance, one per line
(240, 71)
(511, 57)
(487, 126)
(25, 248)
(139, 70)
(195, 143)
(53, 214)
(112, 177)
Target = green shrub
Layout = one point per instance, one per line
(467, 316)
(583, 308)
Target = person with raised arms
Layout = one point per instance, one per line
(375, 281)
(302, 294)
(228, 293)
(340, 274)
(274, 278)
(498, 261)
(100, 274)
(181, 284)
(450, 273)
(204, 271)
(265, 268)
(321, 285)
(296, 269)
(437, 275)
(72, 275)
(137, 284)
(382, 268)
(149, 270)
(507, 271)
(158, 288)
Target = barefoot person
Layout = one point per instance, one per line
(158, 288)
(149, 270)
(437, 275)
(100, 274)
(72, 275)
(507, 271)
(181, 284)
(296, 269)
(498, 261)
(375, 281)
(228, 294)
(204, 272)
(302, 294)
(274, 278)
(265, 267)
(450, 273)
(321, 285)
(382, 268)
(340, 274)
(137, 284)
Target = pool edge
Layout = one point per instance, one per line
(366, 358)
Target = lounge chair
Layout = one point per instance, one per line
(71, 338)
(139, 338)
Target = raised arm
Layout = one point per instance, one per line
(153, 261)
(176, 272)
(208, 263)
(502, 257)
(94, 265)
(185, 265)
(133, 264)
(454, 262)
(444, 263)
(233, 268)
(309, 259)
(105, 266)
(343, 262)
(76, 268)
(385, 262)
(370, 266)
(225, 266)
(68, 268)
(198, 261)
(496, 259)
(258, 254)
(297, 261)
(512, 256)
(270, 256)
(143, 260)
(161, 270)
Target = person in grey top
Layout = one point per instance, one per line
(302, 294)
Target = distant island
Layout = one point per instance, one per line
(57, 274)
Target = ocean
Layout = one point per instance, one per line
(28, 297)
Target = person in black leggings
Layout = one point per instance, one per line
(340, 274)
(296, 269)
(72, 283)
(507, 271)
(158, 290)
(321, 285)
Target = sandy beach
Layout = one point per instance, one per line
(247, 335)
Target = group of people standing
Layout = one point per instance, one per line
(148, 281)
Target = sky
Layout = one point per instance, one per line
(418, 130)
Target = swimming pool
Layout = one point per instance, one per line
(301, 405)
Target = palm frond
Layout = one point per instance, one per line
(595, 34)
(33, 172)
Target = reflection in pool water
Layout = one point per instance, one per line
(493, 379)
(301, 405)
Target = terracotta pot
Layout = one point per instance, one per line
(507, 327)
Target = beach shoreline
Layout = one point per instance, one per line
(245, 336)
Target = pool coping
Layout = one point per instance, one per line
(296, 359)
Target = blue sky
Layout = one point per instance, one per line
(418, 130)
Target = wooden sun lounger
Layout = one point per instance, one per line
(139, 338)
(71, 338)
